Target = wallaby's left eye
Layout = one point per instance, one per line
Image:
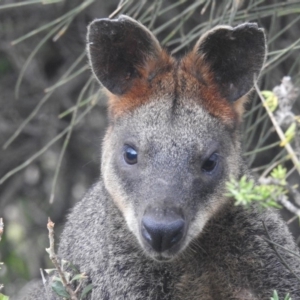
(210, 164)
(130, 155)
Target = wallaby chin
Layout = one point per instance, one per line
(157, 225)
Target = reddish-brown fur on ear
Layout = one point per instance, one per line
(155, 80)
(196, 78)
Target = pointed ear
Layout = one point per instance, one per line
(233, 57)
(120, 51)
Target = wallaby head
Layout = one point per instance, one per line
(173, 138)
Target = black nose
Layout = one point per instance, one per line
(162, 234)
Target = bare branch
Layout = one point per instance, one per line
(44, 283)
(1, 228)
(292, 190)
(54, 259)
(279, 131)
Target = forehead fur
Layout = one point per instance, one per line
(175, 82)
(168, 124)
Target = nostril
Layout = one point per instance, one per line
(162, 234)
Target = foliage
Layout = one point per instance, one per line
(65, 284)
(76, 280)
(276, 297)
(271, 100)
(245, 191)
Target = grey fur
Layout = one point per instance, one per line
(222, 255)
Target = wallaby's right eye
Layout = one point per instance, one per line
(210, 164)
(130, 155)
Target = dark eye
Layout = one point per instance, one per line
(210, 164)
(130, 155)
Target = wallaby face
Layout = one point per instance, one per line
(173, 139)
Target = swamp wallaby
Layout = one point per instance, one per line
(157, 224)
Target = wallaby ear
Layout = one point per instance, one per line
(119, 51)
(234, 57)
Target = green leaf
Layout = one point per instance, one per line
(3, 297)
(86, 290)
(279, 173)
(78, 276)
(287, 297)
(245, 191)
(275, 296)
(64, 264)
(74, 268)
(49, 271)
(59, 289)
(55, 278)
(289, 134)
(271, 100)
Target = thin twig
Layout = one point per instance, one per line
(288, 205)
(44, 149)
(72, 13)
(79, 286)
(13, 5)
(43, 277)
(269, 169)
(279, 131)
(1, 228)
(67, 139)
(66, 79)
(291, 220)
(276, 251)
(44, 283)
(41, 103)
(54, 259)
(279, 246)
(32, 54)
(292, 190)
(289, 173)
(122, 3)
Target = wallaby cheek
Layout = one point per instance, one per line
(209, 194)
(113, 183)
(120, 197)
(204, 209)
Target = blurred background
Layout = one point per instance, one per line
(53, 113)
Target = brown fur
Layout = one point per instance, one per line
(205, 88)
(156, 79)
